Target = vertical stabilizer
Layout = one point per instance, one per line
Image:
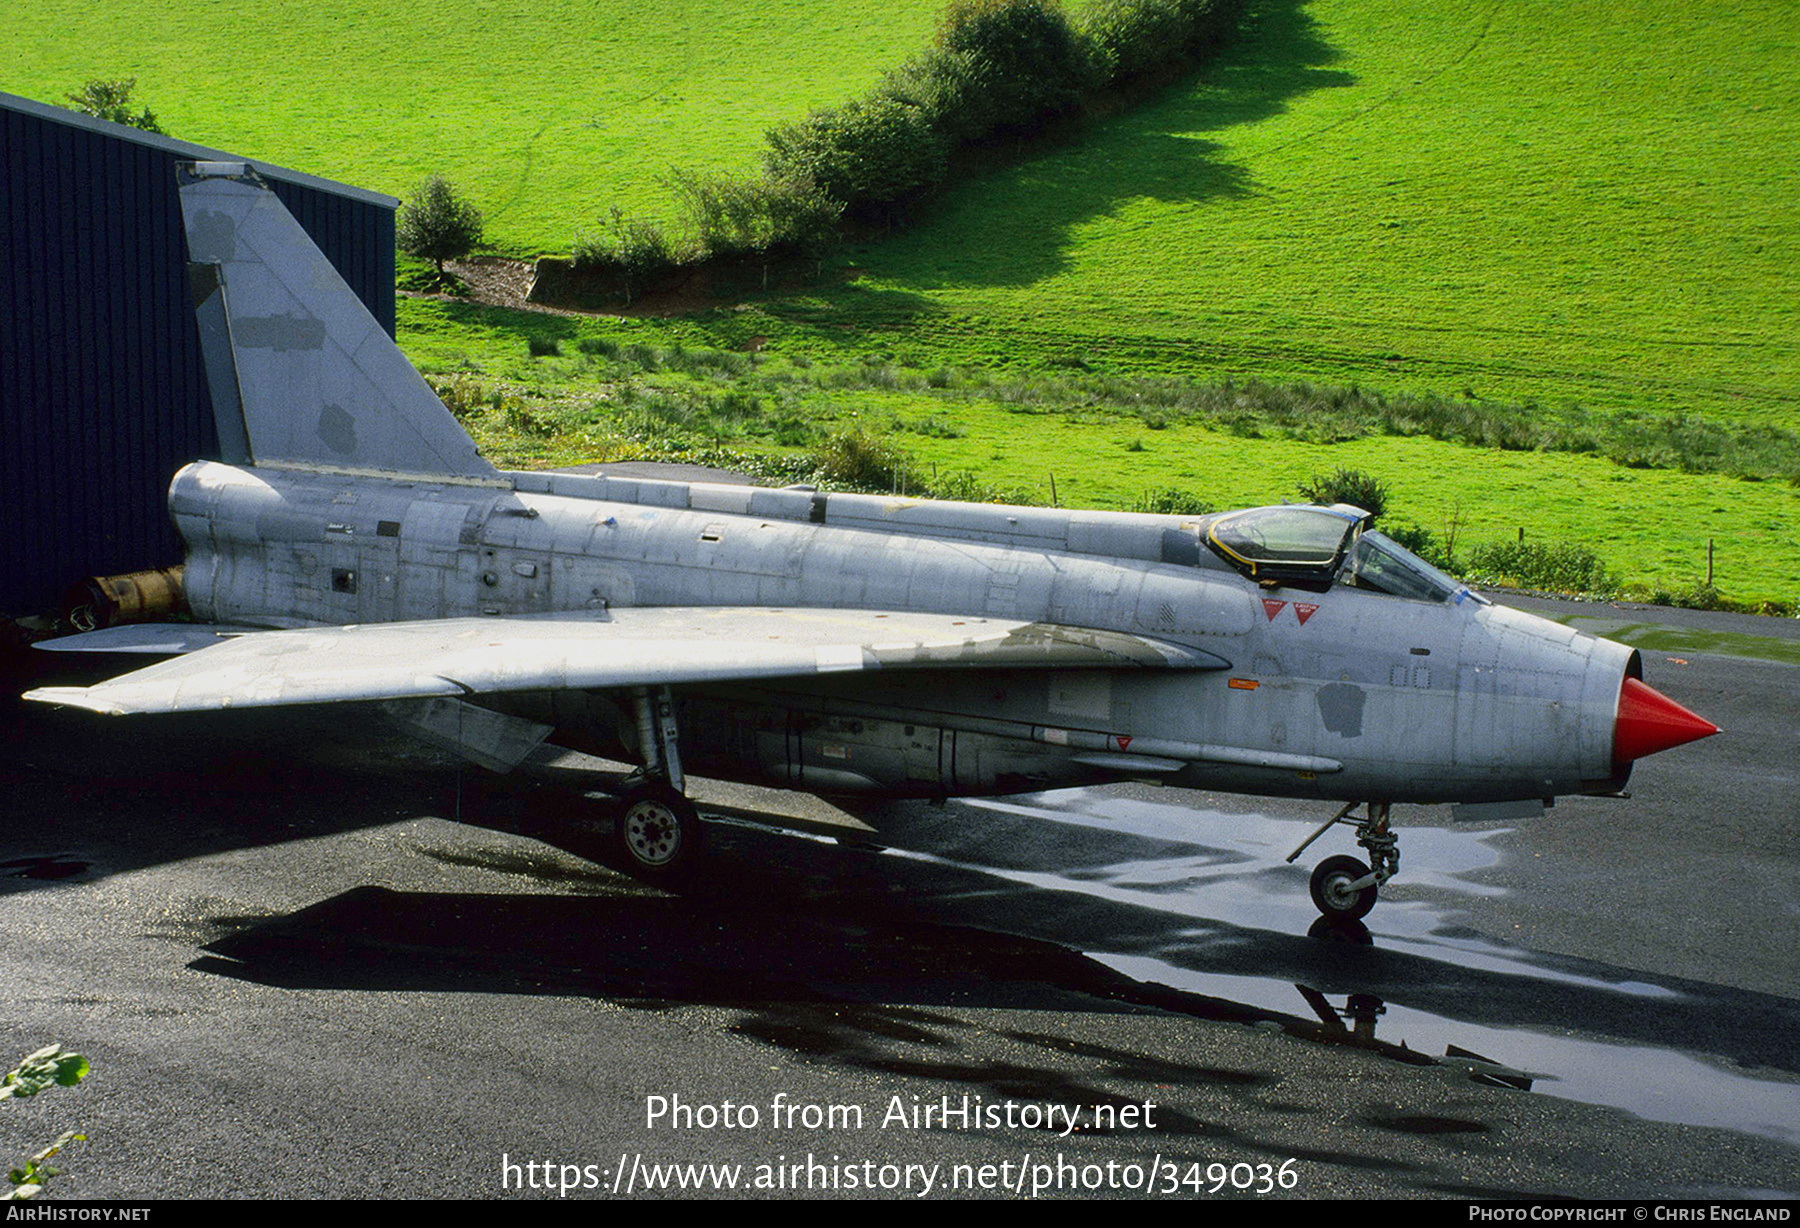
(300, 371)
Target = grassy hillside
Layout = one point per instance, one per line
(546, 113)
(1525, 203)
(1528, 201)
(608, 389)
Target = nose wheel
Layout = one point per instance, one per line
(1343, 888)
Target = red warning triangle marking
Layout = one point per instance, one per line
(1123, 740)
(1272, 607)
(1304, 610)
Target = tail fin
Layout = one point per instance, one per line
(300, 371)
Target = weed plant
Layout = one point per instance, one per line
(1307, 412)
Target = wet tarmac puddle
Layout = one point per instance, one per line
(52, 868)
(1230, 919)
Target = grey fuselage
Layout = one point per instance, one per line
(1345, 693)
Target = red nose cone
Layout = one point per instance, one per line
(1650, 721)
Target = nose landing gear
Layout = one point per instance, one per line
(1343, 888)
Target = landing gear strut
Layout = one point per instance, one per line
(659, 833)
(1343, 888)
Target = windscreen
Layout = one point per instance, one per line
(1380, 563)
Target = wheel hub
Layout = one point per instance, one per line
(1338, 890)
(652, 834)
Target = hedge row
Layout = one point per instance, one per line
(998, 69)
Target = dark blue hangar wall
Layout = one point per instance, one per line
(102, 393)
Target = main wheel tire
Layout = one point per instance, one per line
(659, 833)
(1333, 894)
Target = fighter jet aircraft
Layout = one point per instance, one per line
(353, 548)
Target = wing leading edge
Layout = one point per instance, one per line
(618, 648)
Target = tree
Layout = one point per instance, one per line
(436, 224)
(111, 100)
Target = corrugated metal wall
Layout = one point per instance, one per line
(102, 393)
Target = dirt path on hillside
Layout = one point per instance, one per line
(497, 281)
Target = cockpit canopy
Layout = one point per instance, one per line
(1308, 547)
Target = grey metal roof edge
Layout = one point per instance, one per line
(187, 149)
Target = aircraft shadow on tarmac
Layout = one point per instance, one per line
(787, 920)
(779, 919)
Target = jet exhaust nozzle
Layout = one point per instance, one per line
(137, 597)
(1650, 721)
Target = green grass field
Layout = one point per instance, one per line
(1528, 203)
(1532, 201)
(546, 113)
(1651, 526)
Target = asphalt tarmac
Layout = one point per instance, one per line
(307, 960)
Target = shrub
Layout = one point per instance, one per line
(436, 224)
(805, 218)
(462, 394)
(1172, 501)
(522, 418)
(869, 152)
(937, 84)
(860, 460)
(730, 216)
(636, 250)
(758, 217)
(111, 100)
(1699, 596)
(1424, 543)
(1557, 568)
(1133, 37)
(1347, 486)
(1021, 61)
(963, 486)
(1212, 23)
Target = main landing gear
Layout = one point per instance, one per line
(659, 833)
(659, 830)
(1343, 888)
